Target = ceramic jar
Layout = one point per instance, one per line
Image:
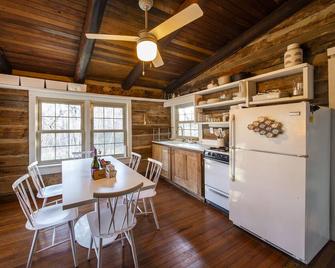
(293, 56)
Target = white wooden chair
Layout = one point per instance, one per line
(43, 219)
(152, 173)
(44, 192)
(83, 154)
(135, 160)
(116, 219)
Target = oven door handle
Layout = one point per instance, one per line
(219, 193)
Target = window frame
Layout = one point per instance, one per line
(124, 129)
(39, 130)
(177, 121)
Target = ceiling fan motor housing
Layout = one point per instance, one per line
(146, 5)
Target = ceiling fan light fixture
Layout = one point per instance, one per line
(146, 47)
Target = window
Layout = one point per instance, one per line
(60, 130)
(109, 134)
(185, 122)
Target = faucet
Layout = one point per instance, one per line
(182, 133)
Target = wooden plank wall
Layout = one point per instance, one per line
(313, 27)
(13, 137)
(147, 116)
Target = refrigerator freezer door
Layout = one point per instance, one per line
(267, 198)
(293, 118)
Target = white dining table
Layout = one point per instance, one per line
(78, 189)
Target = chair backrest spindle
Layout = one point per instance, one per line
(153, 171)
(135, 160)
(36, 176)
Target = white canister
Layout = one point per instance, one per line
(293, 56)
(220, 142)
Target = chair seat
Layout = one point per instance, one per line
(51, 191)
(120, 225)
(147, 193)
(52, 215)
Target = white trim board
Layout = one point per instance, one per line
(79, 95)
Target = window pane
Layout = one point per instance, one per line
(181, 116)
(109, 112)
(98, 112)
(98, 124)
(75, 139)
(109, 149)
(109, 137)
(187, 133)
(48, 109)
(108, 123)
(62, 123)
(62, 139)
(47, 153)
(119, 148)
(194, 133)
(48, 123)
(48, 139)
(194, 126)
(74, 123)
(99, 138)
(62, 110)
(118, 124)
(74, 110)
(62, 152)
(119, 137)
(74, 149)
(118, 113)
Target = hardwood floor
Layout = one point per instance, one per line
(192, 235)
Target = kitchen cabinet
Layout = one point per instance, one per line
(187, 169)
(162, 154)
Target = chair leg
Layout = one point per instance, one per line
(73, 243)
(99, 264)
(89, 249)
(45, 200)
(133, 248)
(32, 249)
(122, 239)
(154, 212)
(145, 206)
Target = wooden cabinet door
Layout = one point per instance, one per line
(193, 172)
(179, 167)
(157, 152)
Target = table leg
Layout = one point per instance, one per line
(83, 233)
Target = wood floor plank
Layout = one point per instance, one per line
(192, 234)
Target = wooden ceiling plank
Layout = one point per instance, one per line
(95, 11)
(135, 73)
(5, 66)
(277, 16)
(192, 47)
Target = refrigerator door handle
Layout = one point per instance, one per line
(268, 152)
(232, 146)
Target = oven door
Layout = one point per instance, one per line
(217, 175)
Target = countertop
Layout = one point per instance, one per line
(183, 145)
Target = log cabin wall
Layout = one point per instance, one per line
(14, 151)
(14, 125)
(147, 117)
(313, 27)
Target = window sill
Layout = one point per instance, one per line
(46, 169)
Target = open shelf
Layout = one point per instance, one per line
(218, 88)
(221, 104)
(221, 124)
(279, 100)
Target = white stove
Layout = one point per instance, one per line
(217, 177)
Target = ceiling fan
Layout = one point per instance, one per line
(146, 48)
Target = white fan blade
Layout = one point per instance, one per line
(127, 38)
(186, 16)
(158, 61)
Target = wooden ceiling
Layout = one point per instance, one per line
(44, 36)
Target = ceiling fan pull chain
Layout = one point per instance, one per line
(146, 19)
(143, 71)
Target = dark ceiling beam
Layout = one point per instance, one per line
(5, 66)
(94, 15)
(284, 11)
(136, 72)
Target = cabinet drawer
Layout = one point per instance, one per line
(217, 197)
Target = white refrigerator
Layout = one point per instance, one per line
(279, 187)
